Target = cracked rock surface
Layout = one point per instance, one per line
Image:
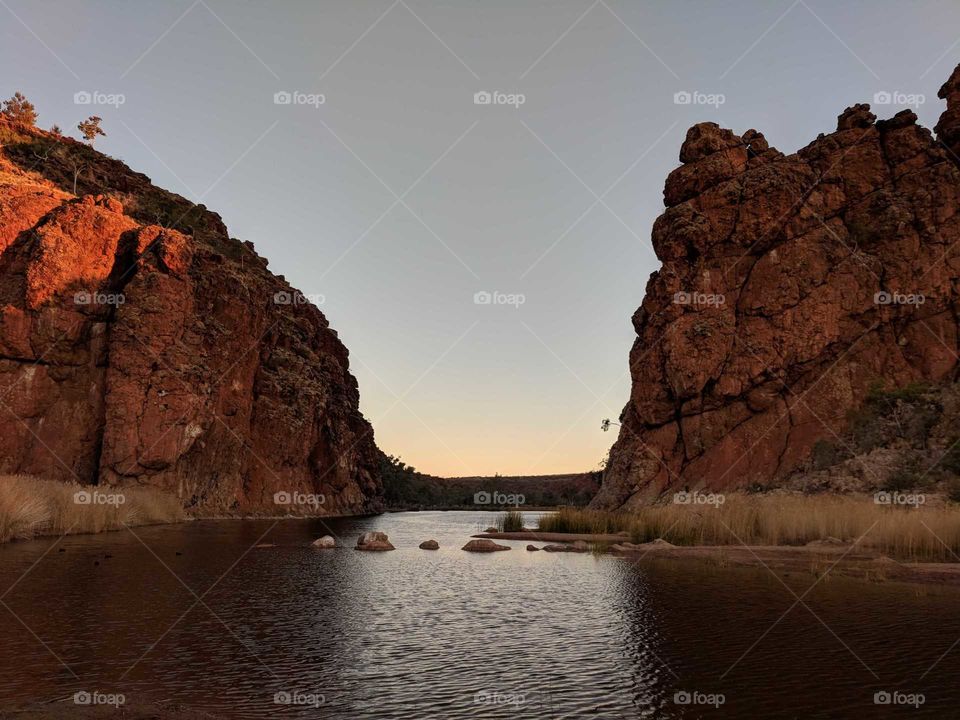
(790, 284)
(141, 345)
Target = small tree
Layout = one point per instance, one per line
(56, 130)
(19, 110)
(90, 128)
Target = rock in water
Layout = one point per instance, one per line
(429, 545)
(143, 345)
(790, 284)
(533, 548)
(578, 547)
(483, 546)
(374, 541)
(325, 542)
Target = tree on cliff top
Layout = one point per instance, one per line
(19, 110)
(90, 128)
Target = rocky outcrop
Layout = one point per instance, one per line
(789, 286)
(141, 345)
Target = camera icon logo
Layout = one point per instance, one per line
(882, 98)
(482, 98)
(482, 498)
(82, 497)
(682, 697)
(682, 98)
(282, 498)
(82, 98)
(482, 298)
(882, 698)
(282, 98)
(282, 298)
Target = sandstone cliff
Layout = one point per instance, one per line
(790, 285)
(141, 345)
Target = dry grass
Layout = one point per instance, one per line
(930, 534)
(31, 507)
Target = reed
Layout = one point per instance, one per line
(510, 521)
(30, 507)
(905, 532)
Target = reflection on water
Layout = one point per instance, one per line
(194, 613)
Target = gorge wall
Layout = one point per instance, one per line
(790, 285)
(141, 345)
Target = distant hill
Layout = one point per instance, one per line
(405, 488)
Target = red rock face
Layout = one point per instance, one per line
(134, 354)
(789, 286)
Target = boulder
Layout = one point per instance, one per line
(533, 548)
(325, 542)
(374, 541)
(484, 546)
(429, 545)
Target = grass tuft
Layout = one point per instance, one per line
(510, 521)
(924, 533)
(31, 507)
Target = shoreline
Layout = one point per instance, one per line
(817, 558)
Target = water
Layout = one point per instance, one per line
(223, 627)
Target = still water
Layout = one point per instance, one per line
(196, 614)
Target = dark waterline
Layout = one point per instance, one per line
(449, 634)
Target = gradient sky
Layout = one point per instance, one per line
(398, 198)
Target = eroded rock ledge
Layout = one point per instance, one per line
(790, 285)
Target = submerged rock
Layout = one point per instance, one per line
(429, 545)
(484, 546)
(374, 541)
(578, 547)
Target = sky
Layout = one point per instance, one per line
(481, 260)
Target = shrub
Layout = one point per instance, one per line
(19, 110)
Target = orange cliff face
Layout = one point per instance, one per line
(137, 354)
(789, 285)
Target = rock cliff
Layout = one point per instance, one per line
(790, 286)
(141, 345)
